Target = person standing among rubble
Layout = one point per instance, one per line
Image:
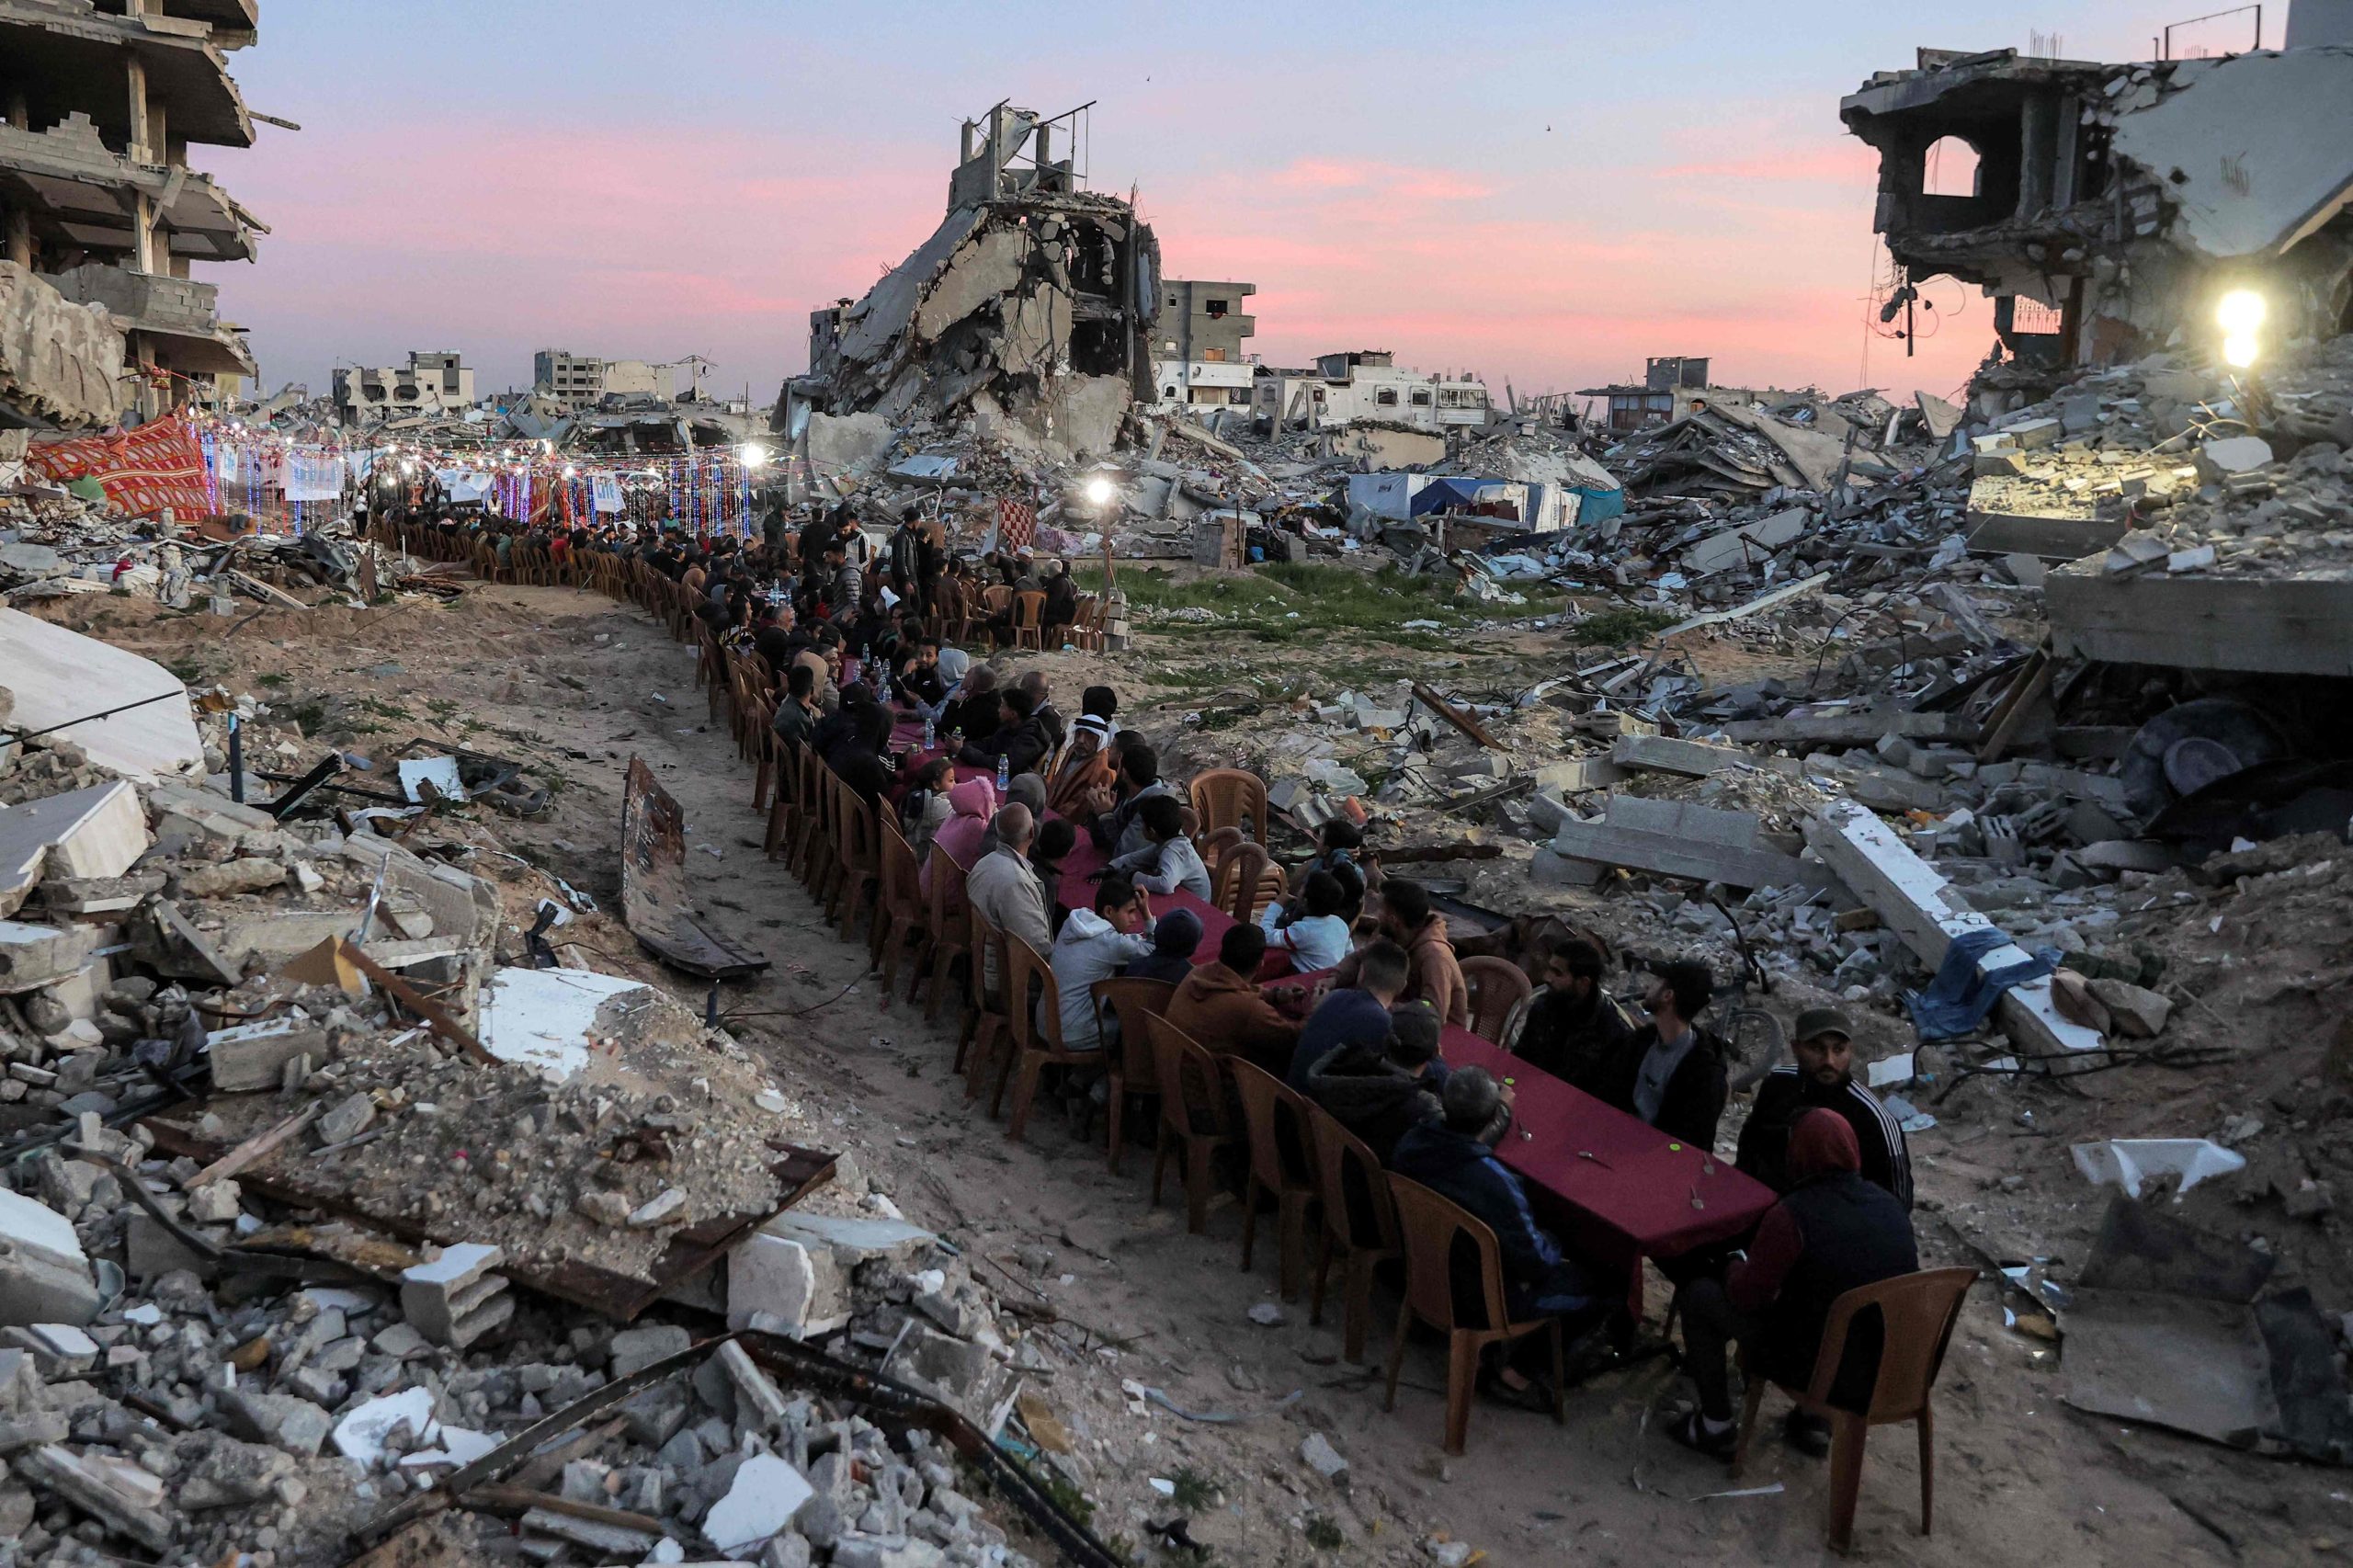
(1575, 1030)
(1671, 1073)
(1833, 1232)
(1822, 1078)
(905, 556)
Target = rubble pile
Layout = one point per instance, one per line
(310, 1183)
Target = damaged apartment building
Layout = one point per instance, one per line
(2107, 209)
(1030, 307)
(99, 208)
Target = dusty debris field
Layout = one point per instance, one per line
(574, 685)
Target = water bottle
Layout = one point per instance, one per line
(882, 686)
(1004, 775)
(930, 736)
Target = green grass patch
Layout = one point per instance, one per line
(1304, 603)
(1616, 628)
(1195, 1491)
(1323, 1535)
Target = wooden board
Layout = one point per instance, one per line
(654, 904)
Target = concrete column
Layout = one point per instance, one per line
(19, 229)
(2038, 153)
(143, 216)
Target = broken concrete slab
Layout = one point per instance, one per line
(45, 1276)
(1924, 909)
(1748, 543)
(96, 832)
(33, 955)
(120, 1494)
(760, 1503)
(1676, 838)
(454, 1300)
(1690, 759)
(60, 677)
(544, 1019)
(253, 1057)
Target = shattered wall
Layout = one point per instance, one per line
(2124, 198)
(1040, 299)
(60, 363)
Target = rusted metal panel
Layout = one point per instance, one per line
(654, 904)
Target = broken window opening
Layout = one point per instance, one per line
(1421, 400)
(1386, 397)
(1098, 348)
(1217, 310)
(1950, 168)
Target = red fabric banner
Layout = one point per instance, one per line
(142, 471)
(1016, 525)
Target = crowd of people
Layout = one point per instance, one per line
(848, 632)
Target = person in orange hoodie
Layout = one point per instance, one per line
(1437, 977)
(1220, 1007)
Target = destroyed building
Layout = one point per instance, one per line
(1653, 401)
(582, 380)
(1030, 306)
(1367, 386)
(2107, 209)
(1199, 361)
(431, 382)
(99, 207)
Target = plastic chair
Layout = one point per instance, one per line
(1213, 847)
(1359, 1220)
(1495, 987)
(1195, 1119)
(1433, 1227)
(1283, 1167)
(1028, 610)
(901, 914)
(1230, 797)
(821, 858)
(1036, 1034)
(1130, 1000)
(1085, 632)
(1918, 1311)
(988, 983)
(784, 806)
(1240, 879)
(951, 931)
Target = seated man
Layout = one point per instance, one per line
(1378, 1094)
(1436, 978)
(1221, 1007)
(1042, 708)
(795, 716)
(1020, 742)
(1354, 1016)
(1096, 944)
(1831, 1233)
(1823, 1078)
(1309, 934)
(1113, 824)
(1455, 1158)
(1575, 1030)
(1168, 860)
(1004, 888)
(1176, 937)
(1671, 1073)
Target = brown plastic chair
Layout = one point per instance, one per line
(785, 805)
(987, 984)
(1230, 797)
(903, 918)
(1195, 1119)
(1130, 1000)
(1359, 1220)
(1433, 1227)
(951, 931)
(1241, 881)
(1086, 631)
(820, 865)
(1213, 847)
(1036, 1034)
(1283, 1167)
(1495, 987)
(861, 857)
(1918, 1311)
(1028, 611)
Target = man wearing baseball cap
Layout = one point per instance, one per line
(1823, 1078)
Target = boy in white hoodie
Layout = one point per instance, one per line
(1096, 944)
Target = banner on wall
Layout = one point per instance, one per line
(607, 488)
(313, 473)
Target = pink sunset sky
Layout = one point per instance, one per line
(1540, 193)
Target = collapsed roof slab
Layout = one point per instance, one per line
(2249, 148)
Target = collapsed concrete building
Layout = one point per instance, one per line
(99, 208)
(1030, 307)
(2107, 209)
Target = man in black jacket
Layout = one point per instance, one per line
(1832, 1233)
(1377, 1094)
(1671, 1073)
(1575, 1030)
(1020, 739)
(1823, 1078)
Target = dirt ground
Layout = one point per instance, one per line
(575, 684)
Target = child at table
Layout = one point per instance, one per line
(1309, 933)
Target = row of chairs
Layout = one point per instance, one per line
(1293, 1156)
